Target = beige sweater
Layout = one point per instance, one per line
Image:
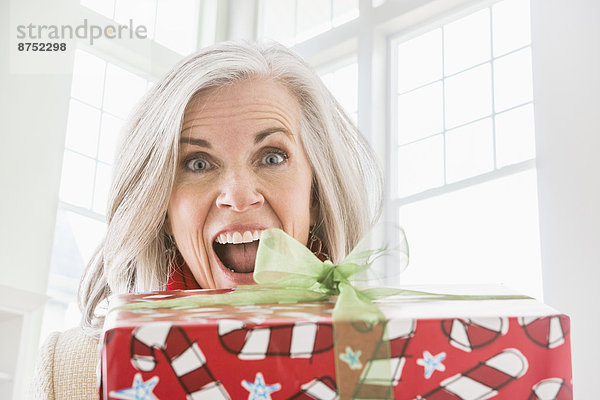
(66, 367)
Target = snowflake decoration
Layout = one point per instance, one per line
(139, 389)
(432, 363)
(259, 390)
(352, 358)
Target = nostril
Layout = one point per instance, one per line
(222, 201)
(240, 200)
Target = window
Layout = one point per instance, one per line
(341, 79)
(174, 24)
(102, 94)
(464, 182)
(106, 85)
(293, 21)
(464, 99)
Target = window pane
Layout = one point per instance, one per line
(104, 7)
(467, 42)
(420, 113)
(82, 128)
(314, 17)
(343, 84)
(344, 11)
(140, 12)
(420, 60)
(346, 87)
(486, 233)
(122, 90)
(88, 78)
(513, 84)
(329, 82)
(515, 136)
(469, 150)
(279, 20)
(103, 180)
(177, 25)
(109, 137)
(75, 239)
(468, 96)
(420, 166)
(511, 21)
(77, 179)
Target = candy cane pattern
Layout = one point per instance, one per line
(483, 380)
(548, 332)
(474, 333)
(185, 358)
(397, 334)
(322, 388)
(551, 389)
(298, 340)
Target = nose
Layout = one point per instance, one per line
(239, 193)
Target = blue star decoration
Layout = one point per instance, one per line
(351, 358)
(139, 389)
(259, 390)
(432, 363)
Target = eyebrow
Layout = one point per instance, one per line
(260, 136)
(196, 142)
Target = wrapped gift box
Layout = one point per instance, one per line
(438, 350)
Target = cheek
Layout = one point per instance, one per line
(294, 202)
(187, 212)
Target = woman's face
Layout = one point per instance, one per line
(241, 169)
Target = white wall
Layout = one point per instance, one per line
(566, 64)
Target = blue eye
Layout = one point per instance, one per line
(273, 159)
(197, 164)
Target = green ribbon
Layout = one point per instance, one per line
(287, 272)
(282, 261)
(358, 323)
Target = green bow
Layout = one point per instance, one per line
(282, 261)
(359, 325)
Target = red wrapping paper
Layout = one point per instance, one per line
(440, 350)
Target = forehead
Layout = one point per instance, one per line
(248, 100)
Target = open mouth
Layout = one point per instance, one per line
(237, 250)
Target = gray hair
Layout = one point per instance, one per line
(134, 255)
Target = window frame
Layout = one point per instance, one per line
(392, 137)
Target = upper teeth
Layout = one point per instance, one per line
(238, 237)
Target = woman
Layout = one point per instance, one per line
(235, 139)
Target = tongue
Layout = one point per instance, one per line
(238, 257)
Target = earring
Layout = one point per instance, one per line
(315, 244)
